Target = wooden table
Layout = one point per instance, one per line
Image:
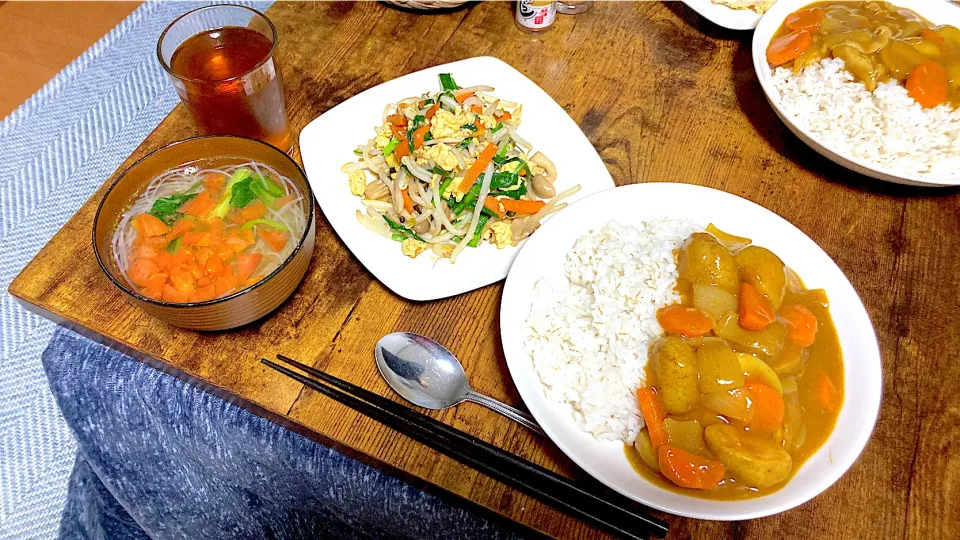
(664, 96)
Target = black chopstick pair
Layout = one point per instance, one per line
(545, 485)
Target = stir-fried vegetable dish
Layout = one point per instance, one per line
(447, 170)
(196, 235)
(877, 41)
(746, 384)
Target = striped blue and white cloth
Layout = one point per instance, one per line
(156, 456)
(55, 151)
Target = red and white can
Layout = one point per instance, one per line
(536, 15)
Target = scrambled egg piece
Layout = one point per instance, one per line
(412, 247)
(392, 161)
(381, 140)
(511, 167)
(446, 251)
(502, 234)
(358, 182)
(487, 120)
(441, 155)
(447, 124)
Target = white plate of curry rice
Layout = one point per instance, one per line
(383, 232)
(732, 14)
(581, 315)
(893, 116)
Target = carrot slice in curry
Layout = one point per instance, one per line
(927, 84)
(685, 321)
(801, 325)
(805, 19)
(767, 407)
(653, 414)
(785, 48)
(755, 310)
(689, 470)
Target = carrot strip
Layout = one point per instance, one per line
(484, 159)
(521, 207)
(398, 119)
(492, 204)
(418, 136)
(653, 414)
(689, 470)
(432, 110)
(402, 150)
(476, 109)
(462, 96)
(480, 128)
(407, 201)
(686, 321)
(503, 116)
(755, 311)
(767, 407)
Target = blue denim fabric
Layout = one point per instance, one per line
(162, 458)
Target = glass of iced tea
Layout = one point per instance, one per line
(220, 59)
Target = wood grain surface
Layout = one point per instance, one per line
(664, 96)
(38, 39)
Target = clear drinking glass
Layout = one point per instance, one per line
(220, 59)
(573, 7)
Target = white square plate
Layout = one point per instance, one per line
(328, 142)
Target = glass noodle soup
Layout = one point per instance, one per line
(195, 235)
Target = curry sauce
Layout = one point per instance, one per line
(715, 416)
(878, 42)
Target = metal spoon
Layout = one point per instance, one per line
(426, 374)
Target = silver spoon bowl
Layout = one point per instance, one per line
(426, 374)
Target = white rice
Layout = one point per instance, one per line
(588, 337)
(885, 127)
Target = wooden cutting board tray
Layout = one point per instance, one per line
(663, 96)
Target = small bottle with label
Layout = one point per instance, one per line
(536, 16)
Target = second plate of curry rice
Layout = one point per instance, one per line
(692, 350)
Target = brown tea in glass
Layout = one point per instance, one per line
(220, 59)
